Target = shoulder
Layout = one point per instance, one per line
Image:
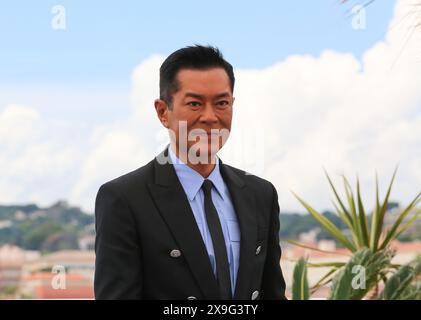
(134, 180)
(257, 184)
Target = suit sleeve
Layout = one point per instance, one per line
(273, 284)
(118, 267)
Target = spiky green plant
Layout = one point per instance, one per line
(300, 289)
(372, 234)
(404, 284)
(361, 274)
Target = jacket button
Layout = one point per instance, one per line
(175, 253)
(191, 298)
(258, 249)
(255, 295)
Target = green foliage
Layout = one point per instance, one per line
(369, 243)
(353, 214)
(62, 240)
(292, 224)
(362, 272)
(6, 212)
(34, 237)
(403, 284)
(300, 289)
(8, 291)
(47, 229)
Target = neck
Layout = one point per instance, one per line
(204, 169)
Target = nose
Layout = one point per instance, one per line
(208, 115)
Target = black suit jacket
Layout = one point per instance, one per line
(143, 216)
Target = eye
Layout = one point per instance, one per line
(194, 104)
(222, 103)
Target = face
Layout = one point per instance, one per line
(202, 107)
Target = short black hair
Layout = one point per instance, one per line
(195, 57)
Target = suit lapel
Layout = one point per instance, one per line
(245, 208)
(175, 209)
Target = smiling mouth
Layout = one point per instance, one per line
(208, 134)
(198, 132)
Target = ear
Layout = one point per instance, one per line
(161, 109)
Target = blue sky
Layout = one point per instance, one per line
(76, 106)
(104, 41)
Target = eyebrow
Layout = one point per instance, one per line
(199, 96)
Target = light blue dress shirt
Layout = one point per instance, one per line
(192, 184)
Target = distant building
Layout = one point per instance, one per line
(87, 242)
(65, 274)
(40, 285)
(4, 224)
(38, 214)
(20, 215)
(327, 245)
(309, 236)
(12, 258)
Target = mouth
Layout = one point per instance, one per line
(209, 134)
(215, 134)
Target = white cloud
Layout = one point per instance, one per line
(16, 124)
(34, 164)
(301, 114)
(333, 112)
(125, 145)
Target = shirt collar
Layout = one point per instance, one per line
(192, 181)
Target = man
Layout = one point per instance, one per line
(186, 225)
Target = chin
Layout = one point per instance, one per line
(205, 149)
